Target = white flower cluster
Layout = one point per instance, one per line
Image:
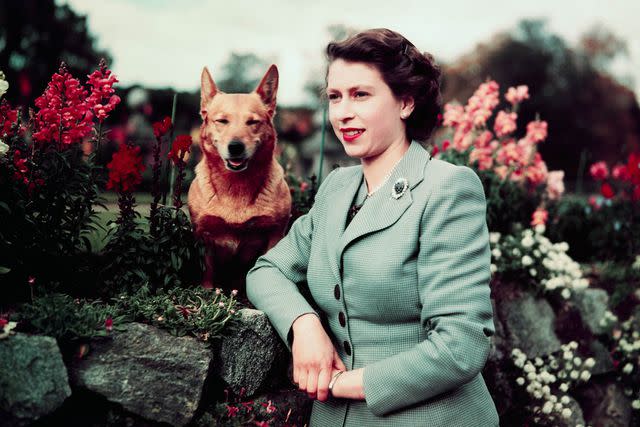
(627, 344)
(545, 263)
(4, 85)
(547, 381)
(608, 320)
(636, 263)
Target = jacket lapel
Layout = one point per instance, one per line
(379, 212)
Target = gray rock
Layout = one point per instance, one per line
(601, 354)
(529, 324)
(592, 305)
(252, 354)
(33, 378)
(605, 404)
(148, 371)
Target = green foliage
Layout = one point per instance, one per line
(303, 193)
(175, 257)
(622, 278)
(610, 230)
(47, 214)
(203, 313)
(62, 317)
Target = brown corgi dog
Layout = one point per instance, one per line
(239, 201)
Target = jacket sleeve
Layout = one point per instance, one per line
(272, 283)
(457, 316)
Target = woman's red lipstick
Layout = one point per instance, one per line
(352, 137)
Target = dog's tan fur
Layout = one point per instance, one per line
(238, 214)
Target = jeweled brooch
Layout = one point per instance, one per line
(399, 188)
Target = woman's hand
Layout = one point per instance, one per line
(314, 357)
(349, 384)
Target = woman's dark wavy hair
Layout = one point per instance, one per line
(406, 71)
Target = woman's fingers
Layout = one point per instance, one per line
(312, 383)
(337, 362)
(323, 384)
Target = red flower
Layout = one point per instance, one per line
(66, 109)
(599, 171)
(434, 151)
(303, 186)
(7, 118)
(162, 127)
(102, 100)
(125, 169)
(181, 146)
(607, 191)
(3, 322)
(232, 411)
(445, 144)
(633, 168)
(64, 115)
(108, 324)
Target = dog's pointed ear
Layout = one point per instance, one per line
(208, 90)
(268, 88)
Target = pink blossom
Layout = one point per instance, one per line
(599, 171)
(540, 216)
(537, 173)
(516, 95)
(508, 153)
(555, 184)
(536, 131)
(501, 171)
(484, 157)
(453, 114)
(481, 104)
(527, 151)
(483, 139)
(505, 123)
(517, 175)
(463, 137)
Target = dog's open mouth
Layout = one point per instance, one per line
(237, 165)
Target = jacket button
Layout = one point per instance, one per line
(336, 292)
(343, 322)
(347, 348)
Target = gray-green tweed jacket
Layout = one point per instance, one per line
(403, 292)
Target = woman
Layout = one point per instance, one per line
(395, 252)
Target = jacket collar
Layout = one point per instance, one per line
(378, 212)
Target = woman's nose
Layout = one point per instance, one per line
(342, 111)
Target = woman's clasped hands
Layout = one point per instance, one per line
(315, 361)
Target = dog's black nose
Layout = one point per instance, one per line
(236, 148)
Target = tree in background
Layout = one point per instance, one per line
(35, 36)
(590, 114)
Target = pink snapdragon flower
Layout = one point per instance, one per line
(516, 95)
(505, 123)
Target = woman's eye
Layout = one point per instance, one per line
(222, 121)
(253, 122)
(333, 96)
(360, 94)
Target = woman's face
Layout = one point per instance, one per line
(364, 113)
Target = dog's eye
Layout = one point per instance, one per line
(222, 121)
(253, 122)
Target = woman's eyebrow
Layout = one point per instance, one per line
(352, 88)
